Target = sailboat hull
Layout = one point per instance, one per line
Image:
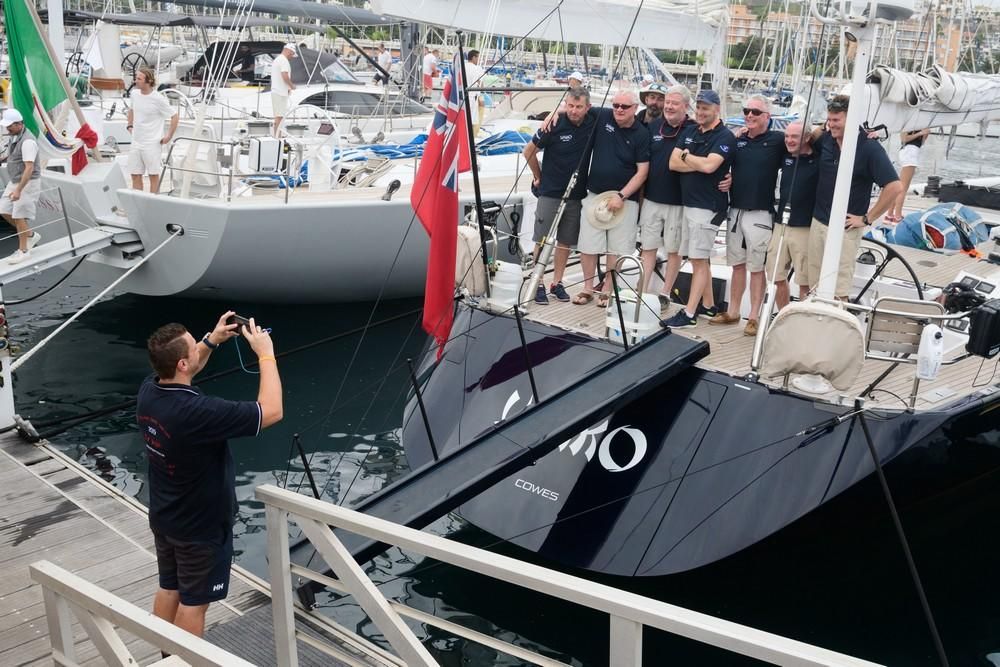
(682, 477)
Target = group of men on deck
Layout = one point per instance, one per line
(671, 181)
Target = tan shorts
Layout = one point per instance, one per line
(145, 161)
(793, 254)
(701, 232)
(25, 206)
(662, 225)
(848, 256)
(619, 240)
(748, 234)
(279, 105)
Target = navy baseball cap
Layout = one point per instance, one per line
(708, 97)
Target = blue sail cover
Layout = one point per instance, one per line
(946, 228)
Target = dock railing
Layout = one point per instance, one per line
(66, 595)
(628, 613)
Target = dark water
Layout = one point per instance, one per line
(841, 586)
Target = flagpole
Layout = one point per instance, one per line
(57, 66)
(474, 164)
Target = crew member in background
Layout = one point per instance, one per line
(619, 163)
(474, 79)
(755, 165)
(702, 157)
(871, 167)
(909, 160)
(430, 70)
(661, 216)
(145, 121)
(565, 146)
(575, 80)
(385, 62)
(192, 482)
(799, 177)
(20, 196)
(281, 84)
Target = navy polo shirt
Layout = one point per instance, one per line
(565, 145)
(700, 190)
(192, 479)
(755, 170)
(663, 186)
(871, 167)
(799, 197)
(617, 151)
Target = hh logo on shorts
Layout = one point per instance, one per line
(218, 587)
(608, 127)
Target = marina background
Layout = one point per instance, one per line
(845, 588)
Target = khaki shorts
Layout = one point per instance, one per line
(145, 161)
(701, 232)
(662, 225)
(619, 240)
(748, 235)
(794, 253)
(848, 256)
(25, 206)
(569, 225)
(279, 105)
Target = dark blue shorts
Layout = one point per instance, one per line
(199, 570)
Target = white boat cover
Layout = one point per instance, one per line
(903, 100)
(815, 338)
(674, 24)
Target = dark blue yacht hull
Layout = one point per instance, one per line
(682, 477)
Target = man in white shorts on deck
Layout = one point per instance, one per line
(20, 197)
(145, 121)
(281, 84)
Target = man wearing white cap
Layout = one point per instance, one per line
(281, 84)
(17, 204)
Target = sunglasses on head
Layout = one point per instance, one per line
(836, 107)
(747, 111)
(622, 106)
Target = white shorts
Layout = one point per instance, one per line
(24, 207)
(662, 225)
(619, 240)
(747, 236)
(279, 105)
(145, 161)
(701, 232)
(909, 156)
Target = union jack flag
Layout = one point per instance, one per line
(434, 198)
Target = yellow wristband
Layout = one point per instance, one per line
(266, 358)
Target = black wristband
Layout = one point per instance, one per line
(207, 341)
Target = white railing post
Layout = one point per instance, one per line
(626, 643)
(102, 633)
(366, 594)
(60, 627)
(6, 377)
(278, 566)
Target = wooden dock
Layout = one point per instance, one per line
(52, 509)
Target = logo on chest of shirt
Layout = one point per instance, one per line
(789, 161)
(565, 138)
(688, 140)
(741, 144)
(608, 127)
(724, 148)
(657, 138)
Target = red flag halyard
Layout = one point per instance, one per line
(434, 198)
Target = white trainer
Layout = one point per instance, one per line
(34, 240)
(18, 257)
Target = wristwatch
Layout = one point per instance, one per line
(864, 219)
(622, 195)
(208, 342)
(684, 155)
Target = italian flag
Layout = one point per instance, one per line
(36, 87)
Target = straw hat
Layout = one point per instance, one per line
(599, 215)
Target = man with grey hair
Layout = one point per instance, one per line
(756, 162)
(619, 163)
(565, 146)
(661, 217)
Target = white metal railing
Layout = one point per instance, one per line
(98, 611)
(628, 612)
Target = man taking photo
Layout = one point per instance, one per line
(192, 483)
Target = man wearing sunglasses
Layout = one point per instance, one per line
(619, 163)
(872, 166)
(756, 162)
(661, 216)
(565, 146)
(702, 157)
